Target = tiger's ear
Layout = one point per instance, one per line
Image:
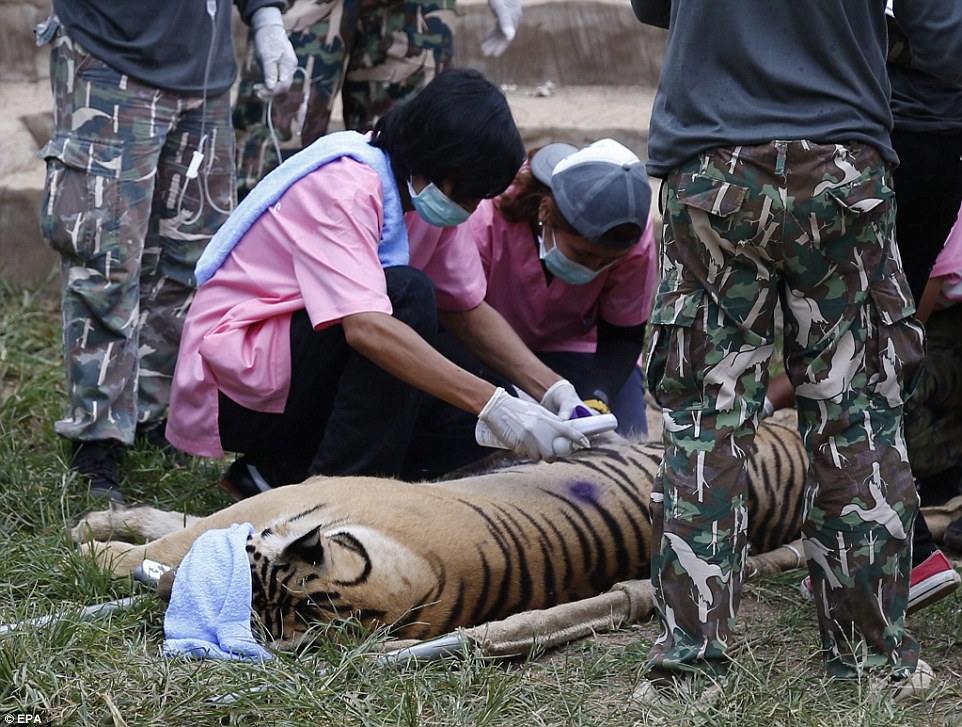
(308, 548)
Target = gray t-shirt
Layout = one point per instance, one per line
(169, 44)
(750, 71)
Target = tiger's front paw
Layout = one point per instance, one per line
(121, 559)
(100, 525)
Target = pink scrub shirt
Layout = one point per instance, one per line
(949, 265)
(316, 250)
(557, 316)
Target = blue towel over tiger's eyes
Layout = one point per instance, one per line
(209, 615)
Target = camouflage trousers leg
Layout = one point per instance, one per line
(129, 225)
(810, 227)
(374, 53)
(933, 417)
(395, 55)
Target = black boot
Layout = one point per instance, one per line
(98, 464)
(153, 434)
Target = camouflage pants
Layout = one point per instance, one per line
(375, 53)
(129, 226)
(812, 226)
(933, 417)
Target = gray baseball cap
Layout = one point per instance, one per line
(597, 188)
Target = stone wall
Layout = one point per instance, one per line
(569, 42)
(20, 58)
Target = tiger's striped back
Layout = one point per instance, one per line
(428, 558)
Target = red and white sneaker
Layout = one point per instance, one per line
(932, 580)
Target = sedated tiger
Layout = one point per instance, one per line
(427, 558)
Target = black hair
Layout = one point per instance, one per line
(458, 127)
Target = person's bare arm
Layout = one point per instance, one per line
(781, 392)
(490, 337)
(929, 296)
(526, 428)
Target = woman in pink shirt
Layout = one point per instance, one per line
(308, 346)
(573, 234)
(570, 262)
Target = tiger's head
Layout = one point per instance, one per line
(303, 575)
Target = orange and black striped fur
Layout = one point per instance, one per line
(427, 558)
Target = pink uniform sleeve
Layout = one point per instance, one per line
(450, 258)
(333, 221)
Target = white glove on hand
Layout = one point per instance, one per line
(561, 398)
(508, 15)
(528, 429)
(274, 50)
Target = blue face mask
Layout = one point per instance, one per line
(561, 267)
(436, 208)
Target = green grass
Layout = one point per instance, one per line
(111, 671)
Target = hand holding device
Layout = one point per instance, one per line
(528, 429)
(562, 399)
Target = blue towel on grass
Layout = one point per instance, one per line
(393, 248)
(209, 615)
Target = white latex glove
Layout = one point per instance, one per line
(561, 398)
(527, 429)
(508, 16)
(274, 50)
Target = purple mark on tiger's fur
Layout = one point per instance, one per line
(583, 490)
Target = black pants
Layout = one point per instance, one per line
(443, 438)
(344, 415)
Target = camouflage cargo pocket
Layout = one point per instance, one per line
(895, 352)
(674, 340)
(722, 203)
(81, 206)
(868, 193)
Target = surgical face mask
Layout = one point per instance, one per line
(561, 267)
(436, 208)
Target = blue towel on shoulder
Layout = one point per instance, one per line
(209, 615)
(393, 247)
